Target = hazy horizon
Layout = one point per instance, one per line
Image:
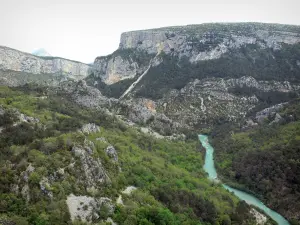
(82, 30)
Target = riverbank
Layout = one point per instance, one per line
(209, 167)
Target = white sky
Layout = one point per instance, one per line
(84, 29)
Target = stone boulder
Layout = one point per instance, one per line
(112, 153)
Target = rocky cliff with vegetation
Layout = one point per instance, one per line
(74, 136)
(230, 69)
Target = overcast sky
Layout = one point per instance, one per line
(84, 29)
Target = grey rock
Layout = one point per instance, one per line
(87, 208)
(90, 128)
(27, 172)
(83, 94)
(276, 119)
(206, 101)
(115, 69)
(25, 192)
(250, 123)
(94, 172)
(182, 40)
(44, 186)
(27, 119)
(112, 153)
(195, 42)
(267, 112)
(11, 59)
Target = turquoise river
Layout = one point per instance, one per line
(209, 167)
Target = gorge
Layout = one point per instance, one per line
(75, 135)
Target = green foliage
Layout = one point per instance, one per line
(172, 186)
(265, 160)
(8, 118)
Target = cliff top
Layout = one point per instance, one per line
(238, 27)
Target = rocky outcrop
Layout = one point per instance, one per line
(87, 209)
(14, 60)
(261, 85)
(112, 153)
(90, 128)
(127, 191)
(211, 100)
(83, 94)
(24, 179)
(27, 119)
(260, 218)
(143, 112)
(18, 118)
(45, 186)
(261, 116)
(94, 173)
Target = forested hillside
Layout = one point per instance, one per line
(249, 60)
(264, 160)
(53, 150)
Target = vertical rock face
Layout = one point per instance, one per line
(194, 42)
(207, 41)
(116, 69)
(122, 64)
(13, 60)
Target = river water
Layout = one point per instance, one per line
(209, 167)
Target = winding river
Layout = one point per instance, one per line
(209, 167)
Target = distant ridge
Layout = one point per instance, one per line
(40, 52)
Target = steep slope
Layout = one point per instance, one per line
(264, 159)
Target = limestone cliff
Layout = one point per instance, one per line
(194, 44)
(122, 64)
(205, 73)
(14, 60)
(209, 41)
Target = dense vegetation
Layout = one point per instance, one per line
(250, 60)
(172, 187)
(264, 160)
